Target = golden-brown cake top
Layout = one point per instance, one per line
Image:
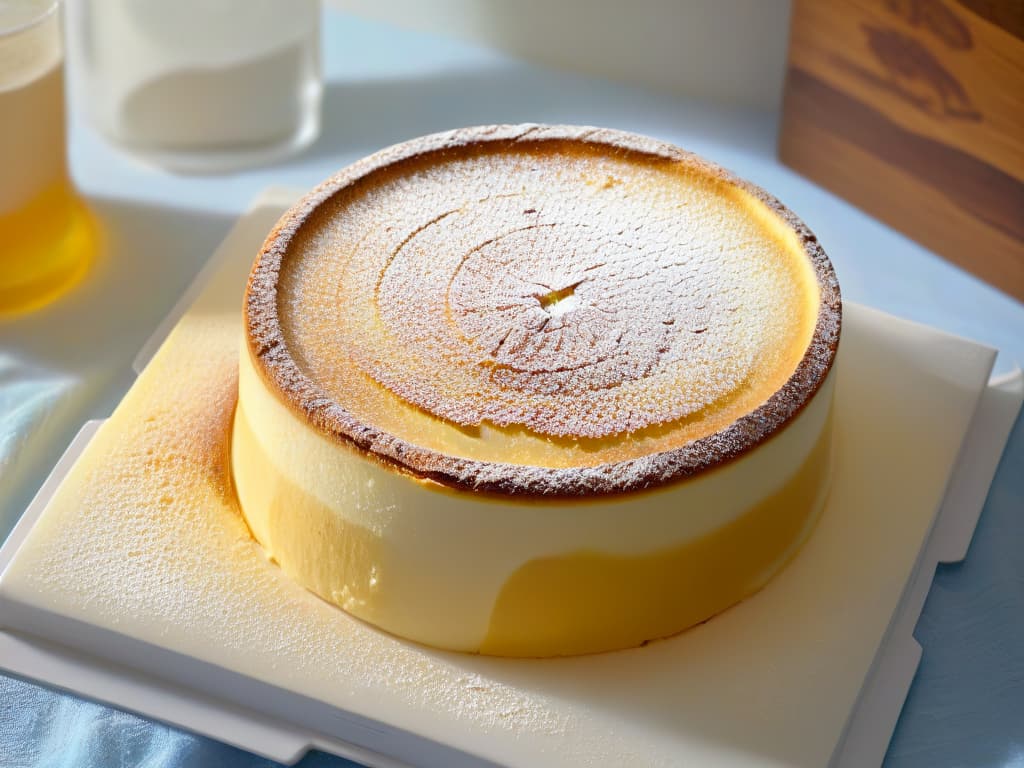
(543, 310)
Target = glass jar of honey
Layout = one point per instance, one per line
(47, 236)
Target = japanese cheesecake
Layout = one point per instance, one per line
(535, 390)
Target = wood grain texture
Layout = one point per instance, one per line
(1007, 14)
(914, 111)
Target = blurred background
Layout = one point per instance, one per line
(731, 52)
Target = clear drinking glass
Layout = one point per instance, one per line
(46, 234)
(200, 85)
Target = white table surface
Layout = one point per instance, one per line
(384, 85)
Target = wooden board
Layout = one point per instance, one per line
(914, 111)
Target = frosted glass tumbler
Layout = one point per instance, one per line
(200, 85)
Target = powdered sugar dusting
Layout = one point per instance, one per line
(569, 291)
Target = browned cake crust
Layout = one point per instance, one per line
(278, 368)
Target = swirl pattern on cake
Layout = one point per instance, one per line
(562, 305)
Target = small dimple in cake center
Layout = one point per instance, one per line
(560, 302)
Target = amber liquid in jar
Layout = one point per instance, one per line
(47, 236)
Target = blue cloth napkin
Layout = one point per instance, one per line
(33, 404)
(40, 728)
